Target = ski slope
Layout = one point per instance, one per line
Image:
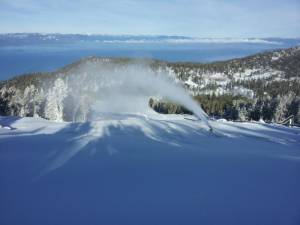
(148, 169)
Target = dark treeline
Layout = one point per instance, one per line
(239, 108)
(270, 109)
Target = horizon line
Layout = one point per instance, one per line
(149, 35)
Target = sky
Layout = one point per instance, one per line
(197, 18)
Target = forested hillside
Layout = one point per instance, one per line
(264, 86)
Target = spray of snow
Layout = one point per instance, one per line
(127, 89)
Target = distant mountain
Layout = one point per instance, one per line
(18, 39)
(236, 76)
(263, 86)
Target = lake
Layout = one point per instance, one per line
(20, 59)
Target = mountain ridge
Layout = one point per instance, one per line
(267, 77)
(27, 38)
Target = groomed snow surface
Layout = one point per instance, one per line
(154, 169)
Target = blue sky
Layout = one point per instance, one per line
(201, 18)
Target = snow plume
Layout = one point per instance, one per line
(128, 88)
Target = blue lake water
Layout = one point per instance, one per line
(16, 60)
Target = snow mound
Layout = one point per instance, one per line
(148, 169)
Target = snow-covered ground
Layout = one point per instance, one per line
(148, 169)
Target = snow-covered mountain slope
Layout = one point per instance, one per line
(238, 75)
(67, 93)
(148, 169)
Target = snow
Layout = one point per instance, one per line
(239, 90)
(55, 98)
(191, 83)
(256, 74)
(276, 56)
(148, 169)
